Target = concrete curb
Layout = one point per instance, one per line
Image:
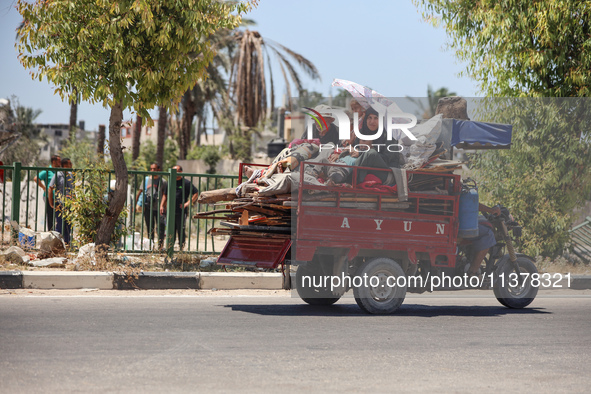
(581, 282)
(172, 280)
(67, 280)
(144, 280)
(156, 281)
(11, 280)
(240, 280)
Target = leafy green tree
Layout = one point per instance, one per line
(90, 198)
(536, 48)
(546, 174)
(124, 54)
(210, 154)
(82, 153)
(517, 47)
(148, 155)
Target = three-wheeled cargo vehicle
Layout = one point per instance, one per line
(381, 243)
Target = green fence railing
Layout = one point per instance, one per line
(23, 202)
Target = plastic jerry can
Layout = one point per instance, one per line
(468, 214)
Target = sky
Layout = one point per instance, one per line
(383, 44)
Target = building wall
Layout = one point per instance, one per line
(57, 135)
(151, 134)
(295, 125)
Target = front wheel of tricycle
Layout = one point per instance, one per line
(516, 291)
(382, 286)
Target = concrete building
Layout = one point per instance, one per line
(151, 134)
(295, 125)
(57, 134)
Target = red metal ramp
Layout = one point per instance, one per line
(255, 251)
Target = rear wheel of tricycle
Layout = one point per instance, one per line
(314, 272)
(379, 292)
(512, 290)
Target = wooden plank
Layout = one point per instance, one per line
(213, 196)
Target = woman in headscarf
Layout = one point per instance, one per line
(378, 155)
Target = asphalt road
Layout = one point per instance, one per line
(203, 342)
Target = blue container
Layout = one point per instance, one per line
(468, 214)
(26, 241)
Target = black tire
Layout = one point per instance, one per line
(383, 298)
(515, 295)
(314, 295)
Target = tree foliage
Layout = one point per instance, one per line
(148, 155)
(210, 154)
(89, 202)
(141, 53)
(122, 53)
(81, 152)
(540, 48)
(546, 174)
(520, 48)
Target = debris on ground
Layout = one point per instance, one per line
(54, 262)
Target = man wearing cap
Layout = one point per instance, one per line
(186, 195)
(326, 135)
(43, 180)
(152, 189)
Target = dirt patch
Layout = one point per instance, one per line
(563, 266)
(187, 262)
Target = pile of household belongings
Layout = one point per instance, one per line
(265, 199)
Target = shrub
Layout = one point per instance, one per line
(89, 202)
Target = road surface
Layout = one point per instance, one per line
(265, 341)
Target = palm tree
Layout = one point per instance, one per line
(26, 141)
(162, 120)
(135, 141)
(248, 79)
(432, 100)
(211, 92)
(25, 121)
(73, 116)
(100, 141)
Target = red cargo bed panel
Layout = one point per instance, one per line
(253, 251)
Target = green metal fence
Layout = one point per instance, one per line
(23, 202)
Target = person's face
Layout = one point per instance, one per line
(373, 122)
(56, 162)
(328, 123)
(154, 167)
(68, 164)
(356, 107)
(178, 170)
